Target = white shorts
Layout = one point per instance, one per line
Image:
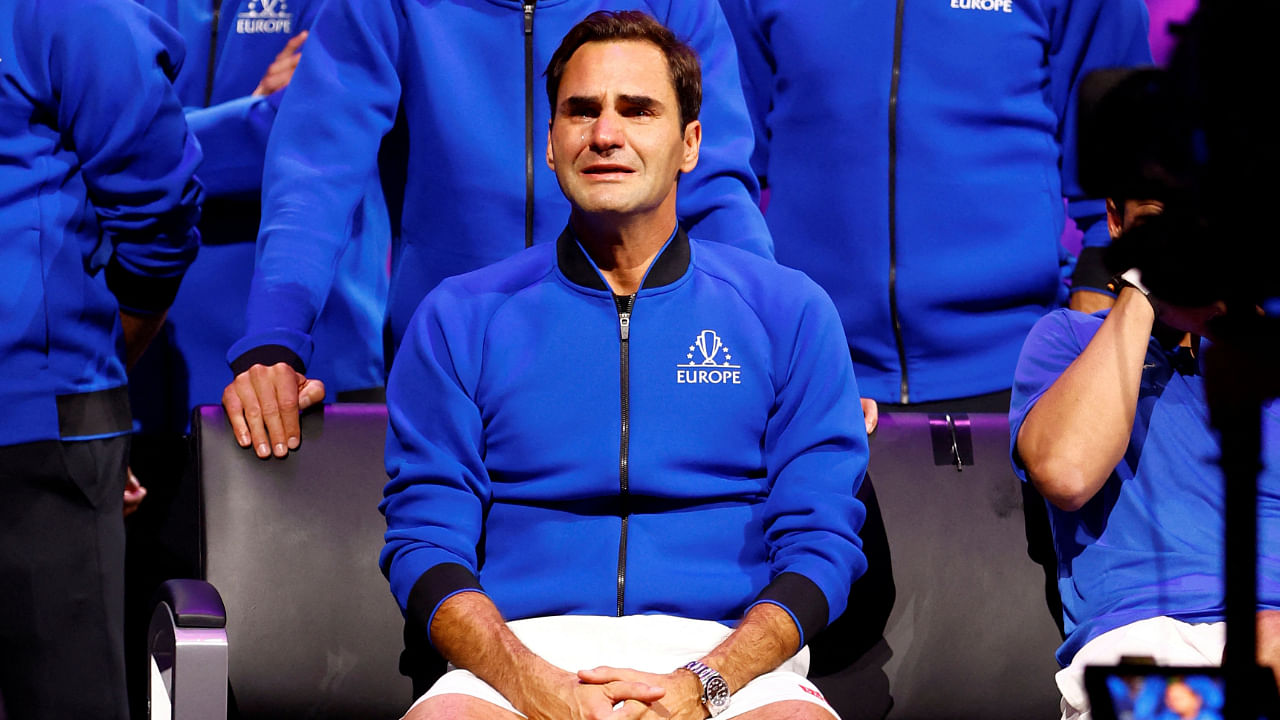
(648, 643)
(1167, 641)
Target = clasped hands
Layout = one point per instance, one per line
(608, 693)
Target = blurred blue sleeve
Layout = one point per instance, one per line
(720, 199)
(238, 129)
(137, 157)
(1087, 35)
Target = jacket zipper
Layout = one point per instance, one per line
(213, 51)
(893, 204)
(625, 305)
(528, 121)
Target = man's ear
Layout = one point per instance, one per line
(1115, 219)
(551, 159)
(692, 144)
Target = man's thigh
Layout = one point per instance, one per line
(1162, 639)
(648, 643)
(449, 707)
(782, 695)
(62, 579)
(789, 710)
(452, 706)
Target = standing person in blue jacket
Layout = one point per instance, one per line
(1110, 423)
(623, 464)
(471, 195)
(98, 205)
(917, 155)
(242, 58)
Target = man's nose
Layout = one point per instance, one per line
(607, 132)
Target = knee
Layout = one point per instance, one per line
(789, 710)
(801, 710)
(439, 706)
(453, 706)
(812, 712)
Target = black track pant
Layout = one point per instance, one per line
(62, 579)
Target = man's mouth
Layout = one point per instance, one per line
(607, 169)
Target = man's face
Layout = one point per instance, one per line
(616, 143)
(1133, 213)
(1188, 319)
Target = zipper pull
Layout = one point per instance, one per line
(625, 304)
(528, 17)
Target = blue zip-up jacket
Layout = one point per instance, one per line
(917, 155)
(457, 72)
(691, 451)
(231, 43)
(97, 206)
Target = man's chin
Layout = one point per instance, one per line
(606, 207)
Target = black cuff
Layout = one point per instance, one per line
(268, 355)
(433, 588)
(141, 294)
(1091, 272)
(803, 598)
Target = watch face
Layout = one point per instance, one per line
(717, 695)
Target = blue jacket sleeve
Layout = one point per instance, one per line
(439, 487)
(238, 129)
(755, 62)
(321, 155)
(137, 156)
(1087, 35)
(816, 454)
(719, 200)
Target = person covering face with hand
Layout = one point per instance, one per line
(1110, 423)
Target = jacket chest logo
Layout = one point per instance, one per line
(988, 5)
(265, 17)
(708, 362)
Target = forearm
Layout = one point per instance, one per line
(1268, 640)
(1079, 429)
(138, 332)
(238, 129)
(765, 638)
(469, 631)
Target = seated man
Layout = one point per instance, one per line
(626, 443)
(1110, 423)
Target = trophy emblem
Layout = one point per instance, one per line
(708, 339)
(706, 370)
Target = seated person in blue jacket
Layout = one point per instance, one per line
(1110, 423)
(623, 465)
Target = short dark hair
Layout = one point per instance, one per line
(608, 26)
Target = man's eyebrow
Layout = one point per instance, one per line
(577, 103)
(643, 101)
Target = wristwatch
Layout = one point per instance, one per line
(1133, 278)
(715, 691)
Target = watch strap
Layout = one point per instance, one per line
(1133, 278)
(715, 691)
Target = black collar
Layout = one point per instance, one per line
(667, 268)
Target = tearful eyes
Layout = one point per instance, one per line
(627, 113)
